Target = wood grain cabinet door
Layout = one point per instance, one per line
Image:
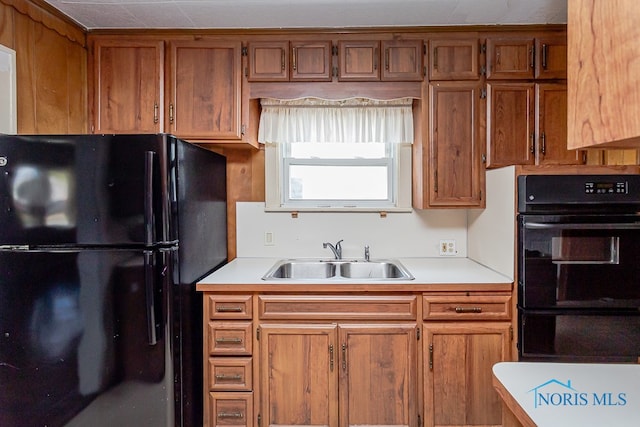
(378, 375)
(510, 124)
(298, 375)
(456, 144)
(268, 61)
(454, 59)
(551, 112)
(205, 86)
(402, 60)
(358, 60)
(459, 357)
(551, 57)
(311, 61)
(128, 93)
(510, 58)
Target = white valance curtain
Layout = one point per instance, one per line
(349, 120)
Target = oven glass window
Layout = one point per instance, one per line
(585, 250)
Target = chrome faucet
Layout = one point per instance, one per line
(367, 255)
(337, 249)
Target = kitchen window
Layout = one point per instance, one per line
(348, 155)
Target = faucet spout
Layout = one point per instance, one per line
(336, 249)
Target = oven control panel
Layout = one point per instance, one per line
(579, 193)
(606, 187)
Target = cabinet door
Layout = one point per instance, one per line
(311, 61)
(358, 60)
(298, 378)
(459, 358)
(402, 60)
(454, 59)
(378, 375)
(510, 58)
(551, 106)
(128, 86)
(205, 90)
(510, 124)
(551, 57)
(268, 61)
(456, 145)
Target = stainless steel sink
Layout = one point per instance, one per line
(374, 270)
(301, 269)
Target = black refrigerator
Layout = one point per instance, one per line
(102, 238)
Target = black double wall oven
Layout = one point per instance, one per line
(579, 268)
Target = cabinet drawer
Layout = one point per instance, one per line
(230, 338)
(476, 307)
(230, 374)
(331, 307)
(229, 306)
(231, 409)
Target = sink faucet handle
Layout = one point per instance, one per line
(367, 255)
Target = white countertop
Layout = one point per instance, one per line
(573, 394)
(249, 271)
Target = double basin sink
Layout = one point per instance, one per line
(301, 269)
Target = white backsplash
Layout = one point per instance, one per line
(398, 235)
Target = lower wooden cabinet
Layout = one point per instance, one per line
(347, 359)
(458, 373)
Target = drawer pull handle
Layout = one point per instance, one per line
(223, 377)
(229, 340)
(224, 309)
(468, 309)
(230, 415)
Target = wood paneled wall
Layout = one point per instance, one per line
(51, 62)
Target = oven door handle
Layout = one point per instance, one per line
(584, 226)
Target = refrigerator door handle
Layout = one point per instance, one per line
(149, 220)
(149, 285)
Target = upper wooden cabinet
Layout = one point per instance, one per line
(510, 124)
(455, 172)
(454, 59)
(127, 86)
(311, 60)
(604, 65)
(551, 125)
(526, 124)
(205, 87)
(515, 57)
(268, 61)
(386, 60)
(296, 60)
(358, 60)
(402, 60)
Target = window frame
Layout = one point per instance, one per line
(399, 199)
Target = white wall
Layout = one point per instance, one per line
(491, 231)
(399, 235)
(8, 110)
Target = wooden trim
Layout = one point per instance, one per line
(337, 31)
(44, 14)
(512, 404)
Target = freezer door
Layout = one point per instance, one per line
(86, 190)
(202, 202)
(85, 339)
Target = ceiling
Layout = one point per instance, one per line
(238, 14)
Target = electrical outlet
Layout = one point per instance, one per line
(269, 238)
(448, 247)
